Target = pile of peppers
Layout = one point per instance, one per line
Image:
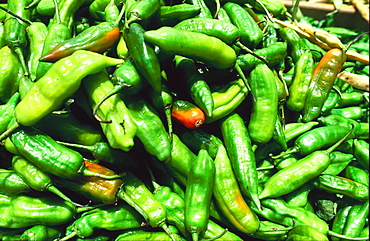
(181, 120)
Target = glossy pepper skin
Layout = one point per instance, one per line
(41, 98)
(144, 56)
(36, 178)
(12, 184)
(150, 129)
(137, 195)
(7, 111)
(250, 33)
(16, 211)
(196, 86)
(299, 173)
(188, 114)
(111, 218)
(323, 78)
(238, 143)
(198, 194)
(229, 197)
(97, 38)
(56, 159)
(175, 206)
(9, 72)
(119, 126)
(265, 106)
(210, 50)
(273, 54)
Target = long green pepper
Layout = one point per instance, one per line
(198, 194)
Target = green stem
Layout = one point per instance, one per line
(9, 131)
(331, 233)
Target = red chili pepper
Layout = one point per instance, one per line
(97, 38)
(188, 114)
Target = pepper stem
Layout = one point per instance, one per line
(69, 236)
(333, 147)
(249, 51)
(217, 237)
(116, 89)
(164, 226)
(9, 131)
(331, 233)
(285, 153)
(59, 193)
(84, 147)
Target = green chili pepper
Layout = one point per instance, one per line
(299, 197)
(361, 153)
(340, 221)
(270, 34)
(357, 174)
(318, 138)
(338, 162)
(361, 130)
(41, 233)
(229, 198)
(205, 11)
(15, 31)
(102, 151)
(143, 55)
(9, 72)
(322, 81)
(351, 112)
(350, 99)
(265, 104)
(181, 160)
(97, 8)
(50, 211)
(271, 231)
(276, 8)
(36, 33)
(12, 183)
(146, 235)
(36, 178)
(305, 232)
(284, 214)
(111, 218)
(294, 176)
(250, 33)
(120, 130)
(136, 194)
(70, 129)
(163, 104)
(344, 186)
(112, 13)
(150, 129)
(41, 99)
(2, 28)
(279, 135)
(238, 143)
(227, 99)
(296, 44)
(302, 78)
(127, 79)
(273, 55)
(330, 102)
(172, 15)
(225, 31)
(175, 206)
(67, 10)
(356, 220)
(210, 50)
(141, 11)
(198, 88)
(198, 194)
(57, 159)
(7, 111)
